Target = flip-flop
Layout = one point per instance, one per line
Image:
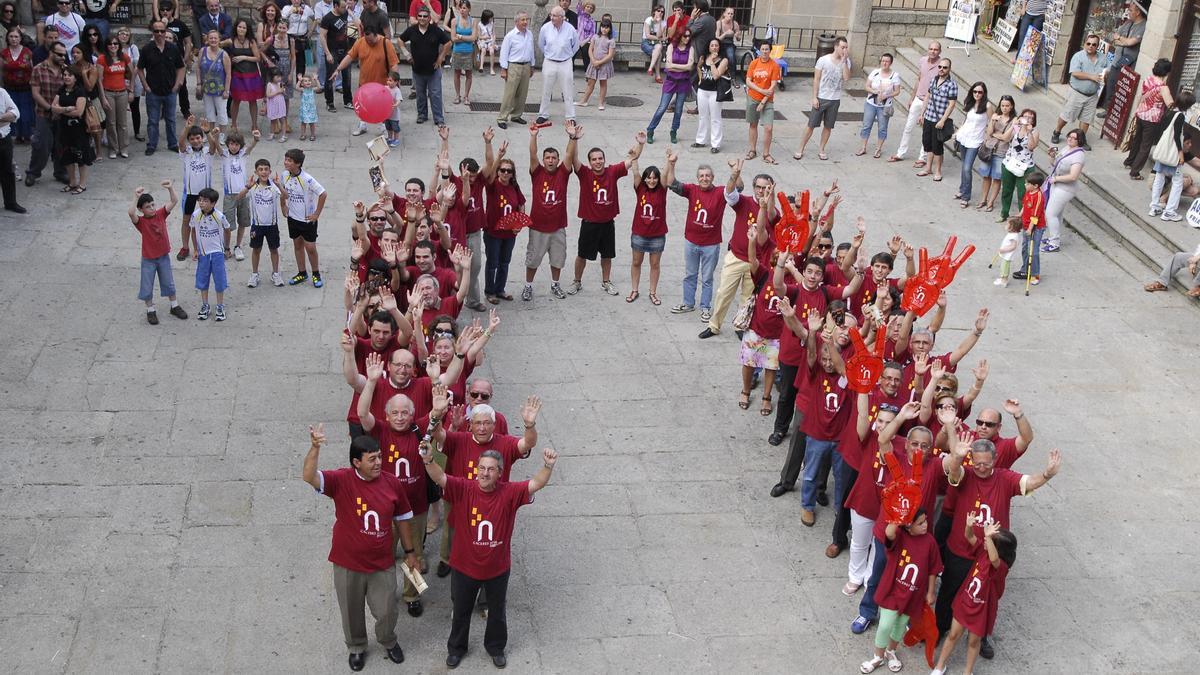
(798, 155)
(922, 174)
(458, 100)
(1194, 293)
(751, 155)
(769, 159)
(1154, 287)
(894, 158)
(937, 178)
(878, 154)
(1137, 176)
(919, 164)
(861, 152)
(654, 299)
(990, 208)
(822, 156)
(633, 295)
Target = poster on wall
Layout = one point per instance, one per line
(1051, 28)
(961, 20)
(1023, 67)
(1003, 34)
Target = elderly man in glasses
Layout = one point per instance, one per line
(1087, 76)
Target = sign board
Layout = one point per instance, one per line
(1003, 34)
(961, 20)
(1193, 213)
(1023, 67)
(1120, 105)
(122, 13)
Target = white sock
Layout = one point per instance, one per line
(149, 308)
(174, 303)
(528, 284)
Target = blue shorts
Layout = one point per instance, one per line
(991, 168)
(392, 125)
(211, 265)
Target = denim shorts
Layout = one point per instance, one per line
(211, 265)
(647, 244)
(991, 168)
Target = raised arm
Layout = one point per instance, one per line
(350, 366)
(529, 413)
(539, 479)
(636, 151)
(374, 372)
(309, 474)
(574, 132)
(981, 373)
(972, 338)
(862, 422)
(1024, 430)
(907, 413)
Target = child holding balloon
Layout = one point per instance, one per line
(392, 124)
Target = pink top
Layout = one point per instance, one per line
(1152, 107)
(928, 70)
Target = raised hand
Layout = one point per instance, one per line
(488, 134)
(815, 320)
(921, 364)
(937, 371)
(860, 225)
(549, 457)
(895, 244)
(358, 208)
(943, 299)
(441, 399)
(990, 529)
(529, 411)
(444, 132)
(1053, 464)
(947, 417)
(640, 137)
(981, 320)
(672, 156)
(256, 134)
(493, 321)
(374, 367)
(981, 371)
(387, 299)
(347, 342)
(965, 438)
(317, 434)
(458, 416)
(414, 299)
(387, 250)
(785, 307)
(356, 250)
(503, 149)
(910, 410)
(1012, 406)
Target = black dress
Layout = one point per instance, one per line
(74, 143)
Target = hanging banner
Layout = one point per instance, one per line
(961, 20)
(1023, 68)
(1003, 34)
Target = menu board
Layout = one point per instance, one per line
(960, 21)
(1120, 105)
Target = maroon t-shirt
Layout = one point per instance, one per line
(449, 305)
(456, 215)
(791, 347)
(402, 459)
(873, 476)
(979, 597)
(476, 214)
(599, 201)
(548, 210)
(745, 214)
(851, 446)
(905, 580)
(865, 294)
(650, 217)
(446, 277)
(363, 515)
(990, 497)
(156, 242)
(462, 453)
(483, 539)
(362, 347)
(767, 322)
(419, 390)
(705, 214)
(502, 200)
(828, 405)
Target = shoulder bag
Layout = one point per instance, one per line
(1165, 151)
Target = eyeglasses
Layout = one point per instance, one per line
(505, 171)
(407, 366)
(943, 67)
(989, 425)
(422, 16)
(1092, 44)
(376, 218)
(482, 396)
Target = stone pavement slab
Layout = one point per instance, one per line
(154, 520)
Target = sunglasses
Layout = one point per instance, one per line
(1092, 44)
(159, 30)
(506, 171)
(977, 91)
(482, 396)
(824, 247)
(377, 218)
(943, 67)
(989, 425)
(946, 406)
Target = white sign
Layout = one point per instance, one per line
(1193, 214)
(1004, 34)
(961, 20)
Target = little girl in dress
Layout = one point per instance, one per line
(308, 108)
(276, 106)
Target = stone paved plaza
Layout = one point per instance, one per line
(154, 520)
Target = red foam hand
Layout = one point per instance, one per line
(864, 368)
(923, 628)
(919, 296)
(514, 221)
(791, 233)
(902, 495)
(940, 271)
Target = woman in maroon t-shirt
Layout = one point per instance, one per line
(649, 232)
(979, 597)
(503, 197)
(760, 342)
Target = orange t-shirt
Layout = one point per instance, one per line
(113, 73)
(373, 62)
(763, 75)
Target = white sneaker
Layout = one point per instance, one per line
(1171, 217)
(575, 287)
(609, 288)
(1155, 211)
(999, 281)
(253, 281)
(277, 278)
(238, 254)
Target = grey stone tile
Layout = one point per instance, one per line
(117, 639)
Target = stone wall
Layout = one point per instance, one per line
(893, 28)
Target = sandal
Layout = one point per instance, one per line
(1194, 293)
(861, 152)
(937, 178)
(458, 100)
(505, 296)
(919, 164)
(744, 404)
(1155, 286)
(78, 189)
(769, 159)
(893, 661)
(990, 208)
(878, 154)
(633, 295)
(922, 174)
(766, 408)
(466, 100)
(751, 155)
(1136, 176)
(798, 155)
(654, 299)
(822, 156)
(431, 527)
(980, 205)
(67, 188)
(870, 666)
(850, 588)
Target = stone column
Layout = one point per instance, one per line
(859, 23)
(535, 25)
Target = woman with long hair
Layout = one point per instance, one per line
(728, 32)
(92, 43)
(652, 28)
(1022, 139)
(213, 72)
(649, 231)
(88, 77)
(1149, 117)
(463, 34)
(116, 81)
(246, 85)
(131, 51)
(712, 67)
(676, 84)
(998, 127)
(883, 84)
(73, 144)
(970, 137)
(503, 197)
(277, 51)
(18, 68)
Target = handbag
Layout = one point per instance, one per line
(91, 118)
(946, 132)
(745, 314)
(1165, 151)
(724, 88)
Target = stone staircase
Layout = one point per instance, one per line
(1109, 212)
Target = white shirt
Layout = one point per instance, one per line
(70, 29)
(298, 19)
(1010, 238)
(7, 106)
(832, 77)
(302, 193)
(558, 45)
(518, 47)
(322, 8)
(208, 231)
(264, 205)
(233, 170)
(197, 169)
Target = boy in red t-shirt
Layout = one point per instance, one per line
(156, 250)
(1033, 218)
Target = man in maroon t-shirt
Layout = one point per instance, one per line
(735, 270)
(599, 204)
(399, 380)
(702, 238)
(987, 491)
(826, 414)
(548, 211)
(470, 188)
(371, 511)
(482, 556)
(384, 336)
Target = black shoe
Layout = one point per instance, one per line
(396, 654)
(174, 149)
(985, 649)
(499, 660)
(502, 125)
(519, 120)
(178, 312)
(1019, 275)
(707, 333)
(452, 660)
(1056, 137)
(357, 661)
(331, 108)
(541, 120)
(15, 208)
(149, 151)
(775, 438)
(30, 179)
(443, 570)
(348, 106)
(823, 498)
(415, 608)
(422, 120)
(152, 318)
(780, 489)
(62, 179)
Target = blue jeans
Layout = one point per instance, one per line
(166, 280)
(429, 85)
(160, 107)
(867, 608)
(24, 101)
(647, 47)
(871, 114)
(495, 272)
(814, 454)
(964, 183)
(1025, 24)
(1037, 251)
(701, 260)
(663, 104)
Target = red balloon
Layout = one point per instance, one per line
(373, 103)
